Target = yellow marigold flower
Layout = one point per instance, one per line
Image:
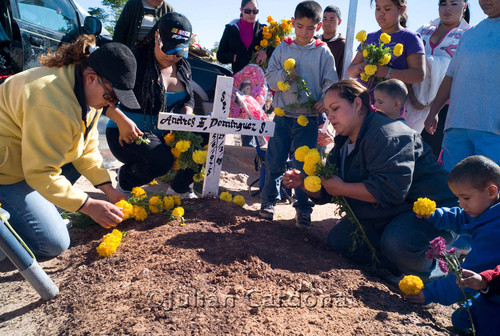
(199, 156)
(424, 206)
(365, 53)
(168, 202)
(205, 147)
(239, 200)
(302, 120)
(269, 19)
(283, 86)
(256, 47)
(178, 212)
(312, 156)
(364, 77)
(289, 64)
(140, 214)
(154, 182)
(284, 25)
(277, 41)
(279, 112)
(127, 209)
(361, 36)
(264, 43)
(138, 192)
(267, 36)
(225, 196)
(105, 250)
(169, 138)
(155, 204)
(312, 183)
(370, 69)
(177, 200)
(398, 49)
(198, 177)
(183, 145)
(411, 285)
(385, 60)
(385, 38)
(175, 152)
(176, 166)
(301, 152)
(310, 168)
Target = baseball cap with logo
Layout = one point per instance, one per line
(175, 32)
(116, 63)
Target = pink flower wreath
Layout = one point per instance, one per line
(258, 90)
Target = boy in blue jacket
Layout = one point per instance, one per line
(315, 63)
(475, 181)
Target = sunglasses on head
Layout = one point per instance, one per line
(250, 11)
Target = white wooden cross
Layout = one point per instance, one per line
(218, 125)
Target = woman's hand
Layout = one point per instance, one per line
(431, 123)
(416, 299)
(188, 110)
(333, 185)
(472, 280)
(112, 194)
(293, 179)
(324, 138)
(129, 131)
(261, 57)
(104, 213)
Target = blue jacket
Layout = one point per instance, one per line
(485, 254)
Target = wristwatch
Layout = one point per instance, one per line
(388, 73)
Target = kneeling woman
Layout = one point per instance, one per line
(163, 83)
(383, 168)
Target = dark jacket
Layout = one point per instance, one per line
(231, 44)
(337, 47)
(395, 166)
(130, 20)
(184, 74)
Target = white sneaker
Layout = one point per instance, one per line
(186, 195)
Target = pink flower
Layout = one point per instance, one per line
(443, 266)
(438, 246)
(452, 251)
(429, 254)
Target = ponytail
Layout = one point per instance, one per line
(72, 53)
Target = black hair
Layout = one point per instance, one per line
(350, 89)
(477, 170)
(332, 9)
(308, 9)
(244, 3)
(403, 18)
(466, 14)
(394, 88)
(152, 87)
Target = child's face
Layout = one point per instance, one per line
(388, 105)
(490, 8)
(305, 29)
(330, 23)
(387, 13)
(472, 200)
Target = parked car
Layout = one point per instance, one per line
(28, 28)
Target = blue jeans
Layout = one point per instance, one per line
(400, 245)
(459, 143)
(35, 219)
(288, 135)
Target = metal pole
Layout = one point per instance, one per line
(350, 33)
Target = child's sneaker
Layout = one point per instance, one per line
(267, 211)
(303, 220)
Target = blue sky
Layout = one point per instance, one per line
(208, 17)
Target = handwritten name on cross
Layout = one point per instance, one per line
(218, 125)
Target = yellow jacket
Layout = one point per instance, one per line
(41, 129)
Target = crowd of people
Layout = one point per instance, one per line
(427, 126)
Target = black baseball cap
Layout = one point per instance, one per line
(116, 63)
(175, 32)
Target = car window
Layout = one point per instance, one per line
(56, 15)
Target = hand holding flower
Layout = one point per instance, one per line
(333, 185)
(320, 107)
(416, 299)
(472, 280)
(293, 179)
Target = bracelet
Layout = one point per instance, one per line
(388, 73)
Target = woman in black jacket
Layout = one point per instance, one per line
(240, 38)
(163, 83)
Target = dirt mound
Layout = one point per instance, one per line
(225, 272)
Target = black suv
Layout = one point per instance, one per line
(28, 28)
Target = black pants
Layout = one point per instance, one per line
(142, 163)
(435, 141)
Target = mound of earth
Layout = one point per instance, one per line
(225, 272)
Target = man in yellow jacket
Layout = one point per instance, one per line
(48, 137)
